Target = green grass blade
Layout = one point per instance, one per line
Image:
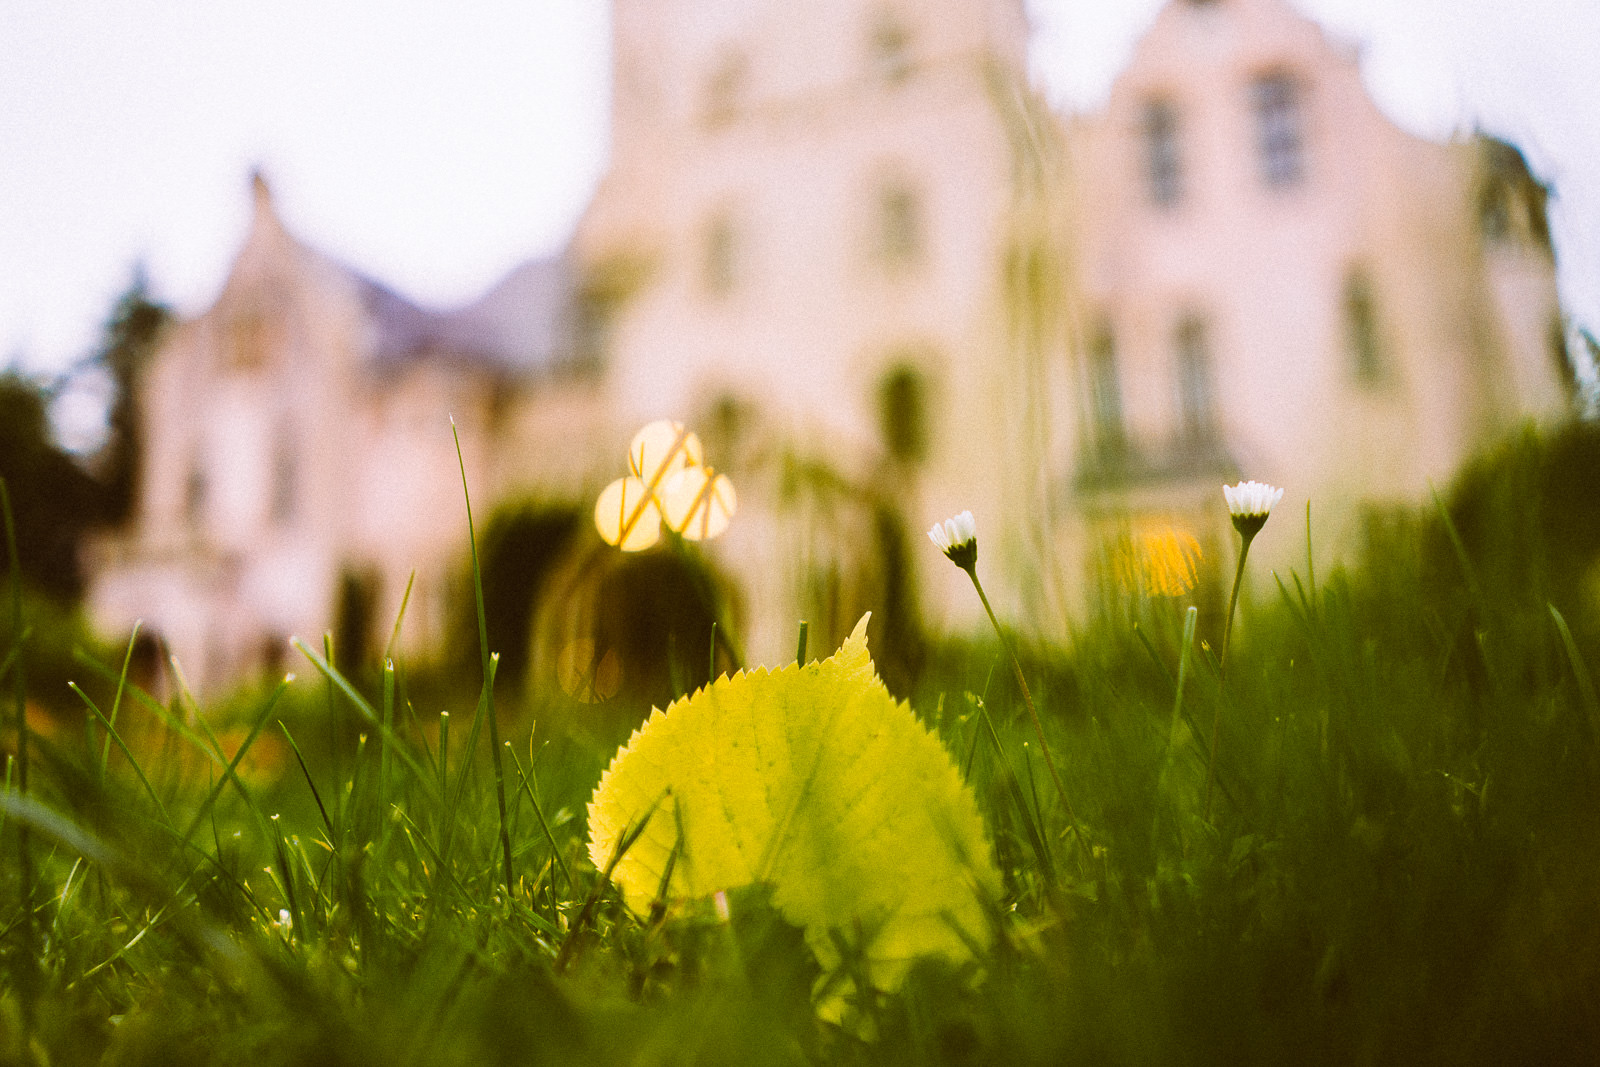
(122, 685)
(238, 756)
(400, 617)
(29, 976)
(444, 759)
(1580, 671)
(172, 722)
(365, 709)
(112, 735)
(629, 835)
(488, 668)
(1468, 571)
(306, 771)
(538, 810)
(1155, 657)
(453, 797)
(1185, 656)
(1031, 819)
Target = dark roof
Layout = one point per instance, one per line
(521, 326)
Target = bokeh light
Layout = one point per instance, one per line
(698, 503)
(585, 676)
(627, 516)
(661, 449)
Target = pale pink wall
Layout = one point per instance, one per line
(1266, 268)
(814, 318)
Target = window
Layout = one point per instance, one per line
(903, 413)
(720, 268)
(1163, 168)
(725, 92)
(1280, 139)
(1196, 404)
(195, 491)
(1361, 329)
(285, 476)
(1105, 398)
(899, 227)
(890, 48)
(728, 424)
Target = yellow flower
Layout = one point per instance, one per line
(1158, 562)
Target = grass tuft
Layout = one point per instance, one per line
(1398, 864)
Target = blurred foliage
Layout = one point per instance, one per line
(53, 500)
(55, 634)
(522, 545)
(131, 335)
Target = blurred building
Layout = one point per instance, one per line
(298, 465)
(1279, 283)
(849, 244)
(815, 244)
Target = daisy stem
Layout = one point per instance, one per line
(1233, 603)
(1222, 668)
(1027, 697)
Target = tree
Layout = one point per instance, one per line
(132, 333)
(53, 500)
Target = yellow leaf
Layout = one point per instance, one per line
(816, 781)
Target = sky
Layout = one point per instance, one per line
(434, 146)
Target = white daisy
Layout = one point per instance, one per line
(957, 538)
(1249, 504)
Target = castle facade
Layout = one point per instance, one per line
(850, 244)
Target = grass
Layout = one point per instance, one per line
(1400, 865)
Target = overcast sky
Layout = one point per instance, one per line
(436, 145)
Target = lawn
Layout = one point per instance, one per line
(1373, 838)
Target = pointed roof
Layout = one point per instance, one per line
(523, 325)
